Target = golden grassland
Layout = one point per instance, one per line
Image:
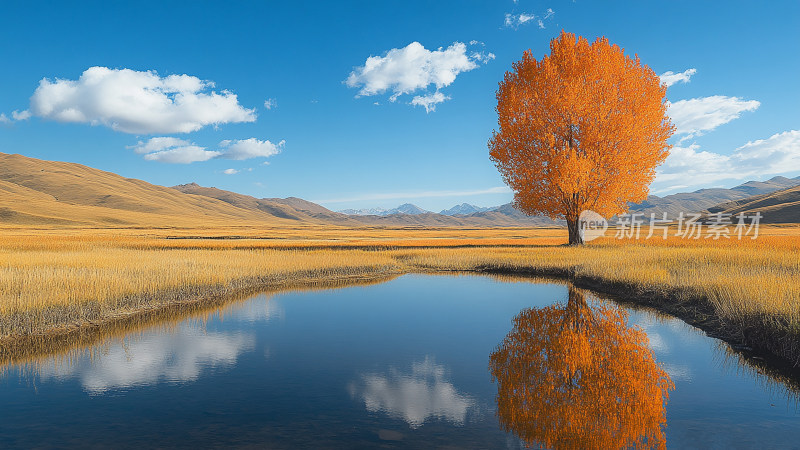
(57, 280)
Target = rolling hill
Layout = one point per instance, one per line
(703, 199)
(38, 192)
(777, 207)
(35, 192)
(292, 208)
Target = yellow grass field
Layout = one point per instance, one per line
(55, 280)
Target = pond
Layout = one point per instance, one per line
(407, 363)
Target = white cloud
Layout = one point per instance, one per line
(429, 101)
(669, 77)
(137, 102)
(516, 20)
(182, 155)
(695, 116)
(416, 397)
(483, 57)
(15, 116)
(157, 144)
(230, 171)
(270, 103)
(414, 68)
(689, 166)
(780, 153)
(249, 148)
(174, 150)
(21, 115)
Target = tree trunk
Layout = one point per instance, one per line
(575, 234)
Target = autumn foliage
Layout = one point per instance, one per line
(577, 376)
(581, 129)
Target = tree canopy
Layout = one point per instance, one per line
(581, 129)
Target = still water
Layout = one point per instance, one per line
(403, 364)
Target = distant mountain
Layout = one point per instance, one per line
(502, 216)
(777, 207)
(703, 199)
(465, 209)
(365, 212)
(406, 208)
(464, 215)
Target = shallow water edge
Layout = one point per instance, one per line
(765, 352)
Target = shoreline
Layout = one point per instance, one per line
(758, 347)
(56, 339)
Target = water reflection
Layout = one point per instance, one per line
(414, 397)
(151, 358)
(172, 353)
(577, 376)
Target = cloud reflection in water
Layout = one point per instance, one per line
(414, 397)
(163, 354)
(152, 357)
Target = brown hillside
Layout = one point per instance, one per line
(289, 208)
(777, 207)
(38, 192)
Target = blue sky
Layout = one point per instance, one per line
(282, 96)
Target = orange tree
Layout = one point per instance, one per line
(581, 129)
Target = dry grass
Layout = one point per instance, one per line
(54, 278)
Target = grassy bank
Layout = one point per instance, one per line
(53, 282)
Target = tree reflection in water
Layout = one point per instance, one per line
(577, 376)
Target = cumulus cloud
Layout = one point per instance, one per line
(698, 115)
(137, 102)
(180, 151)
(690, 166)
(249, 148)
(414, 68)
(230, 171)
(4, 118)
(270, 103)
(429, 101)
(669, 77)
